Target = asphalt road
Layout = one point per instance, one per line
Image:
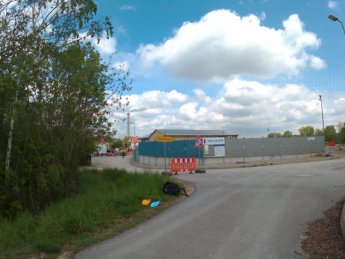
(259, 212)
(115, 162)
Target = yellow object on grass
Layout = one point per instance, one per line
(146, 202)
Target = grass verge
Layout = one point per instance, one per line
(104, 204)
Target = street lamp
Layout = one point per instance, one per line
(335, 19)
(129, 118)
(323, 123)
(132, 122)
(128, 125)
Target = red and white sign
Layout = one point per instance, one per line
(198, 142)
(182, 164)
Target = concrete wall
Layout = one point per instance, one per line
(256, 147)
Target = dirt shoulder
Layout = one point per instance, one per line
(323, 238)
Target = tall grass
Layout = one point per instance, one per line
(104, 203)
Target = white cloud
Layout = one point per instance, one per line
(247, 108)
(121, 29)
(335, 110)
(316, 63)
(155, 101)
(160, 99)
(256, 105)
(121, 66)
(189, 110)
(332, 4)
(223, 44)
(149, 110)
(127, 7)
(201, 96)
(262, 16)
(105, 46)
(340, 101)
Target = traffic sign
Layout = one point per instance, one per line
(164, 139)
(198, 142)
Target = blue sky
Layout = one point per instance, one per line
(242, 66)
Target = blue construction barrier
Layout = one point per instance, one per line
(179, 148)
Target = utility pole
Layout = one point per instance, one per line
(128, 123)
(323, 123)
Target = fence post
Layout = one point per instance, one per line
(243, 151)
(262, 149)
(165, 156)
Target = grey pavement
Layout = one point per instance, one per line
(258, 212)
(115, 162)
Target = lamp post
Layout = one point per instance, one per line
(335, 19)
(323, 123)
(132, 122)
(129, 119)
(129, 122)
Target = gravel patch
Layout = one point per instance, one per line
(323, 237)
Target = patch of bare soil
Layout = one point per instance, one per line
(323, 237)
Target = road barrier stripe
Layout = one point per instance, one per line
(182, 165)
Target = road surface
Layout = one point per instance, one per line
(115, 162)
(259, 212)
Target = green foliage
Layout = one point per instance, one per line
(48, 246)
(126, 141)
(341, 135)
(341, 132)
(306, 131)
(116, 143)
(101, 200)
(274, 135)
(318, 132)
(330, 133)
(287, 134)
(53, 99)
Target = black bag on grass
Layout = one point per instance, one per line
(173, 189)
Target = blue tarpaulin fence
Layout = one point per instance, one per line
(233, 148)
(179, 148)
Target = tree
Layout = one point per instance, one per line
(306, 131)
(341, 135)
(116, 143)
(330, 133)
(341, 132)
(287, 134)
(25, 23)
(274, 135)
(54, 92)
(29, 31)
(340, 125)
(126, 141)
(318, 132)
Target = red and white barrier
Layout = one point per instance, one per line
(182, 165)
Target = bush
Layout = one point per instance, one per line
(102, 200)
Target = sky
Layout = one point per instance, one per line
(248, 67)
